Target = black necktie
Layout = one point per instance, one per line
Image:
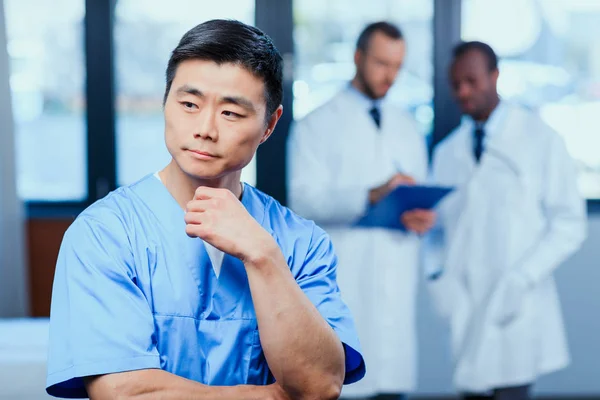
(376, 115)
(478, 139)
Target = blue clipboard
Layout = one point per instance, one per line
(386, 213)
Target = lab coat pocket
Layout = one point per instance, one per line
(509, 300)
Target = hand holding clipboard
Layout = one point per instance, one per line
(386, 213)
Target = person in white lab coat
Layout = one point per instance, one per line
(515, 216)
(345, 155)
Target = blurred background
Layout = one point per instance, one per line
(81, 86)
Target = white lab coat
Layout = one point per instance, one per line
(336, 155)
(513, 219)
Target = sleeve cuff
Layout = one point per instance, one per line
(355, 365)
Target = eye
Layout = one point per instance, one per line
(231, 114)
(188, 105)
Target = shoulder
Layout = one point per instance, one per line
(452, 142)
(297, 236)
(325, 111)
(398, 111)
(280, 219)
(403, 119)
(110, 216)
(538, 132)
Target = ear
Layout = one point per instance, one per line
(495, 74)
(358, 56)
(273, 119)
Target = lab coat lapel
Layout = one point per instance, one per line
(504, 144)
(365, 159)
(464, 169)
(494, 192)
(391, 142)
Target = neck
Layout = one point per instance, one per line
(359, 85)
(183, 186)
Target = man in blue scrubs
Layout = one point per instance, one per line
(190, 284)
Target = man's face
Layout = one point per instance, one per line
(474, 84)
(378, 66)
(215, 118)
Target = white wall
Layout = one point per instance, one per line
(579, 286)
(13, 298)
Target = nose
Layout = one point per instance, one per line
(207, 127)
(392, 73)
(462, 91)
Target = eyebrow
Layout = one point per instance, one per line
(186, 89)
(239, 101)
(235, 100)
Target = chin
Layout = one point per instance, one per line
(381, 94)
(204, 174)
(201, 172)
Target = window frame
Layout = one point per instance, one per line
(276, 19)
(99, 113)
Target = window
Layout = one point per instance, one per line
(325, 35)
(144, 39)
(46, 62)
(550, 60)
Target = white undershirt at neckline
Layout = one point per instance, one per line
(216, 256)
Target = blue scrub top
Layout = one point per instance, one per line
(133, 291)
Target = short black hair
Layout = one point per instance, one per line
(388, 29)
(230, 41)
(485, 49)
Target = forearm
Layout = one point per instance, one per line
(303, 352)
(158, 384)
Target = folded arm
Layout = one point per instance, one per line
(304, 353)
(159, 384)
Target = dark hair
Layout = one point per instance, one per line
(389, 30)
(228, 41)
(465, 47)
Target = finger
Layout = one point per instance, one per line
(205, 192)
(412, 225)
(411, 214)
(196, 218)
(407, 179)
(199, 231)
(422, 213)
(199, 205)
(425, 229)
(425, 218)
(425, 221)
(416, 221)
(420, 227)
(402, 180)
(407, 221)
